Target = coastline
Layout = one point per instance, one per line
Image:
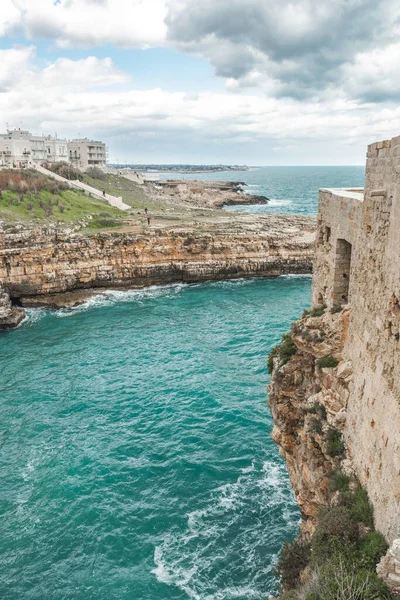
(59, 268)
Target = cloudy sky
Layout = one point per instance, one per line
(262, 82)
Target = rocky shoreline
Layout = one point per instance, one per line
(206, 194)
(58, 267)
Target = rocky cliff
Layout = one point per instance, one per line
(37, 264)
(308, 397)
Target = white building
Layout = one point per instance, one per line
(56, 149)
(15, 149)
(19, 148)
(85, 153)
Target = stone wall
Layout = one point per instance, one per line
(370, 223)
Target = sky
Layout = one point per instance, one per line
(257, 82)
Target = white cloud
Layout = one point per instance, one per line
(10, 17)
(294, 48)
(87, 23)
(59, 98)
(374, 75)
(84, 73)
(14, 63)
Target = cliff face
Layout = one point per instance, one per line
(349, 404)
(41, 262)
(307, 402)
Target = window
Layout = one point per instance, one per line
(328, 232)
(341, 282)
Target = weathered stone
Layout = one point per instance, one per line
(38, 265)
(389, 567)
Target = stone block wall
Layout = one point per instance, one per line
(371, 224)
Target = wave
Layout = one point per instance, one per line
(32, 316)
(189, 559)
(112, 297)
(296, 276)
(275, 202)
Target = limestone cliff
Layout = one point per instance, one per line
(42, 262)
(336, 393)
(307, 402)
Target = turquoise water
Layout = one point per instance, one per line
(136, 462)
(290, 189)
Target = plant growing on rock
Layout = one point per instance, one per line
(336, 309)
(284, 351)
(334, 443)
(318, 311)
(316, 409)
(293, 559)
(327, 362)
(316, 426)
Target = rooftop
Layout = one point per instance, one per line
(353, 193)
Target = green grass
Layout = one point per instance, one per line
(131, 193)
(63, 206)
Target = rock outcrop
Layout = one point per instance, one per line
(36, 263)
(10, 316)
(307, 402)
(205, 194)
(389, 568)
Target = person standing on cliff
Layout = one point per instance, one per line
(148, 220)
(104, 193)
(145, 211)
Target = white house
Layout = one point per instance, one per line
(85, 153)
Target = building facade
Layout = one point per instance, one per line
(56, 149)
(20, 149)
(85, 153)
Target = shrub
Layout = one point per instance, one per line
(336, 309)
(306, 313)
(360, 507)
(103, 222)
(290, 595)
(316, 426)
(327, 362)
(372, 547)
(336, 531)
(334, 443)
(293, 559)
(339, 481)
(65, 170)
(316, 409)
(318, 311)
(284, 351)
(343, 579)
(96, 173)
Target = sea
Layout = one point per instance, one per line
(290, 190)
(135, 454)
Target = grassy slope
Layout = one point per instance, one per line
(29, 196)
(135, 195)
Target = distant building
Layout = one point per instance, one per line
(56, 149)
(19, 148)
(15, 149)
(85, 153)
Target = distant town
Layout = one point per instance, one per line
(177, 168)
(20, 149)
